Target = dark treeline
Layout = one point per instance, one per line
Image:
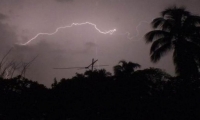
(129, 94)
(96, 95)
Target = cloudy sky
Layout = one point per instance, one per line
(21, 20)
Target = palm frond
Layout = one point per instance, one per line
(164, 24)
(155, 34)
(158, 43)
(157, 22)
(168, 25)
(175, 13)
(158, 53)
(167, 11)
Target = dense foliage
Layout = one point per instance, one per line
(96, 95)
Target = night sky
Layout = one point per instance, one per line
(21, 20)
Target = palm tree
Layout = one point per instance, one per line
(177, 30)
(125, 68)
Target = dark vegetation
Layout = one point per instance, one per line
(129, 94)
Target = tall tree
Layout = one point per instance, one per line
(177, 30)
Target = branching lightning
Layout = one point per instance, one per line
(128, 35)
(137, 31)
(73, 24)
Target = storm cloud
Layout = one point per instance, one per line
(64, 0)
(7, 35)
(2, 16)
(21, 20)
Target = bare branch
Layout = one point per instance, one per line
(4, 57)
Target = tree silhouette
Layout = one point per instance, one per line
(153, 78)
(125, 68)
(97, 74)
(96, 95)
(22, 99)
(177, 30)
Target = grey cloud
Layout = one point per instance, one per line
(49, 56)
(2, 16)
(90, 44)
(64, 0)
(88, 47)
(75, 47)
(7, 35)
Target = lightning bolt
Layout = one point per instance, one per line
(128, 34)
(73, 24)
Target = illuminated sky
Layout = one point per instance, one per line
(21, 20)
